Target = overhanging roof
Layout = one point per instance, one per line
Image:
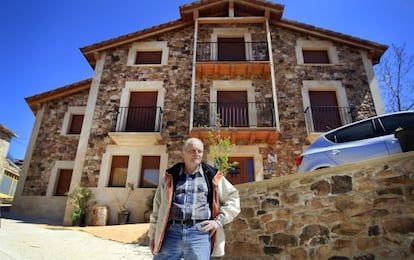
(240, 8)
(36, 101)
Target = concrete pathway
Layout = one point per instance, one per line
(23, 239)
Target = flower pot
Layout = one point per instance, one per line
(80, 221)
(123, 217)
(406, 139)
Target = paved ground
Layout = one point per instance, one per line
(23, 239)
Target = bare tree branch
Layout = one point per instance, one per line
(395, 75)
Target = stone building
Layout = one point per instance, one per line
(9, 171)
(273, 83)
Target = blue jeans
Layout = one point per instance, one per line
(185, 241)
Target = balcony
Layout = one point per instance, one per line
(325, 118)
(233, 59)
(244, 123)
(136, 125)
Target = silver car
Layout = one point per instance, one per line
(362, 140)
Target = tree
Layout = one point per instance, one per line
(220, 147)
(395, 76)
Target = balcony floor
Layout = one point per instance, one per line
(232, 69)
(241, 136)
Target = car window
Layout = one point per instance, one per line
(363, 130)
(392, 122)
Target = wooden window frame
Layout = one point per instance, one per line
(119, 165)
(145, 163)
(148, 47)
(59, 183)
(315, 56)
(148, 57)
(75, 126)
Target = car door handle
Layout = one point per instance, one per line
(335, 152)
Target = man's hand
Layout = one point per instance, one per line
(209, 226)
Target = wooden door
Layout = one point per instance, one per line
(63, 184)
(231, 49)
(142, 112)
(232, 107)
(243, 173)
(325, 110)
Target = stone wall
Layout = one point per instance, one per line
(51, 145)
(360, 211)
(176, 77)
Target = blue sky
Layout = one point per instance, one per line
(40, 40)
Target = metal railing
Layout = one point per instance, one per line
(325, 118)
(252, 114)
(252, 51)
(137, 119)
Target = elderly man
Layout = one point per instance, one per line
(192, 203)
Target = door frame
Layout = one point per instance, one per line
(323, 85)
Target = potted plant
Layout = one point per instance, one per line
(81, 198)
(405, 137)
(123, 212)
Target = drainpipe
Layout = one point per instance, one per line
(193, 74)
(272, 75)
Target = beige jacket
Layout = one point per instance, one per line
(224, 203)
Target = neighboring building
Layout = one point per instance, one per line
(275, 84)
(9, 171)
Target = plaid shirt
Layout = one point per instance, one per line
(190, 197)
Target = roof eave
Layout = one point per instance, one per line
(35, 102)
(374, 50)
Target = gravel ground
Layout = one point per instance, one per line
(23, 240)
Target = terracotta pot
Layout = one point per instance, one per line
(123, 217)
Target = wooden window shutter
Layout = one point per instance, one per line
(315, 56)
(148, 57)
(76, 124)
(63, 184)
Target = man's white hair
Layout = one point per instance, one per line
(191, 141)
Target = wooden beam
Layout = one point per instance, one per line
(221, 20)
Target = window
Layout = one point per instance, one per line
(392, 122)
(315, 56)
(243, 172)
(148, 54)
(231, 49)
(63, 183)
(148, 57)
(232, 108)
(72, 121)
(316, 52)
(119, 170)
(363, 130)
(325, 105)
(76, 124)
(150, 171)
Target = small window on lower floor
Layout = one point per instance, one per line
(63, 183)
(150, 171)
(119, 170)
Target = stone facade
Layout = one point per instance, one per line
(91, 152)
(51, 145)
(360, 211)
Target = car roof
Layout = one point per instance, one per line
(366, 119)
